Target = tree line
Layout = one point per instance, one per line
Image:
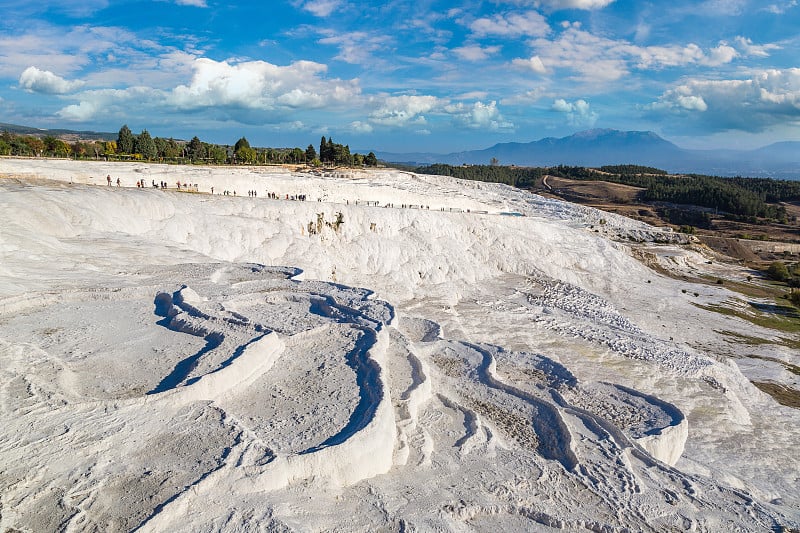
(739, 198)
(522, 177)
(143, 146)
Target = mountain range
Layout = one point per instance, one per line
(597, 147)
(590, 148)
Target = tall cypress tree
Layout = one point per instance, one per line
(125, 140)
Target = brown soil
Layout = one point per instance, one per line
(724, 236)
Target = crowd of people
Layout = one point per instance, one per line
(274, 196)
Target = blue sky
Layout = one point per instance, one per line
(405, 75)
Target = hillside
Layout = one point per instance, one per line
(594, 148)
(60, 133)
(399, 351)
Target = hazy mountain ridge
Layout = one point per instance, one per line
(58, 132)
(605, 147)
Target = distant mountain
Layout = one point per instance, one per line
(599, 147)
(59, 133)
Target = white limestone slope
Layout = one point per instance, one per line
(176, 361)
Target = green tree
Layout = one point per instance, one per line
(34, 145)
(323, 149)
(341, 154)
(109, 147)
(246, 155)
(50, 145)
(311, 154)
(168, 148)
(195, 150)
(79, 149)
(778, 271)
(370, 160)
(146, 146)
(217, 154)
(125, 140)
(241, 143)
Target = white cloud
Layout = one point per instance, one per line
(754, 50)
(261, 85)
(471, 95)
(576, 4)
(402, 110)
(769, 98)
(49, 49)
(320, 8)
(562, 106)
(475, 52)
(578, 112)
(598, 59)
(478, 116)
(531, 24)
(692, 103)
(534, 64)
(355, 47)
(593, 58)
(720, 55)
(112, 103)
(527, 98)
(43, 81)
(361, 127)
(780, 9)
(253, 92)
(194, 3)
(80, 112)
(722, 7)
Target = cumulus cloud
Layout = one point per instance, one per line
(534, 64)
(43, 81)
(578, 112)
(529, 24)
(263, 86)
(720, 55)
(478, 115)
(81, 112)
(252, 92)
(112, 103)
(361, 127)
(403, 110)
(475, 52)
(769, 98)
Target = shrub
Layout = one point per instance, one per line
(794, 297)
(778, 271)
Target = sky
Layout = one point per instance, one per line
(405, 75)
